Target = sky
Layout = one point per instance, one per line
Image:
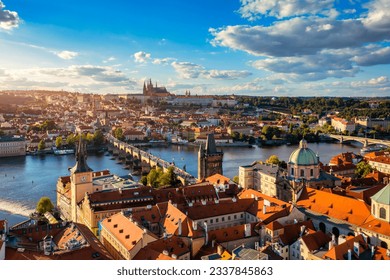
(218, 47)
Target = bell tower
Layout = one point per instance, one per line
(80, 178)
(209, 159)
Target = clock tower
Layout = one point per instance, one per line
(80, 178)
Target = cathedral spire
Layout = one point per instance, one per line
(81, 158)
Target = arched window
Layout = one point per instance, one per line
(311, 172)
(382, 213)
(302, 173)
(322, 227)
(292, 171)
(336, 232)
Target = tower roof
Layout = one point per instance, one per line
(81, 158)
(210, 144)
(383, 196)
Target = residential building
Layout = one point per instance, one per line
(372, 122)
(123, 237)
(342, 125)
(379, 161)
(60, 241)
(11, 146)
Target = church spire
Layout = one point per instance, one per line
(81, 158)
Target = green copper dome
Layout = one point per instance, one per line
(303, 155)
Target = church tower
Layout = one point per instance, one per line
(80, 178)
(209, 159)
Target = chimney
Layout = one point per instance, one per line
(264, 209)
(356, 246)
(248, 230)
(206, 233)
(332, 242)
(194, 225)
(349, 254)
(220, 250)
(372, 251)
(303, 229)
(180, 227)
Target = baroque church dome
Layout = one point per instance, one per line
(303, 155)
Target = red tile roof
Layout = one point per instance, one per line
(338, 207)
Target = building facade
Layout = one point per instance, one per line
(11, 146)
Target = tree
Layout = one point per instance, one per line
(118, 133)
(168, 178)
(44, 205)
(153, 177)
(236, 179)
(363, 169)
(71, 139)
(273, 160)
(98, 138)
(144, 180)
(41, 145)
(88, 137)
(58, 141)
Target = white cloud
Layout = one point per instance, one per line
(311, 67)
(255, 9)
(84, 78)
(163, 61)
(188, 70)
(67, 55)
(373, 56)
(110, 59)
(378, 18)
(8, 19)
(141, 57)
(227, 74)
(297, 36)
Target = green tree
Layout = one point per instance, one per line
(88, 137)
(363, 169)
(44, 205)
(236, 179)
(153, 177)
(58, 141)
(98, 138)
(273, 160)
(144, 180)
(168, 178)
(71, 139)
(118, 133)
(41, 145)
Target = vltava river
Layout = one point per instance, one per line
(23, 180)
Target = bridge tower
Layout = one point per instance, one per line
(209, 159)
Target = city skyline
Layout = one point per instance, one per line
(247, 47)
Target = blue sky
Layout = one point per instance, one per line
(247, 47)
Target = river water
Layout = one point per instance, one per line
(23, 180)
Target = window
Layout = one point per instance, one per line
(302, 173)
(292, 171)
(311, 172)
(382, 213)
